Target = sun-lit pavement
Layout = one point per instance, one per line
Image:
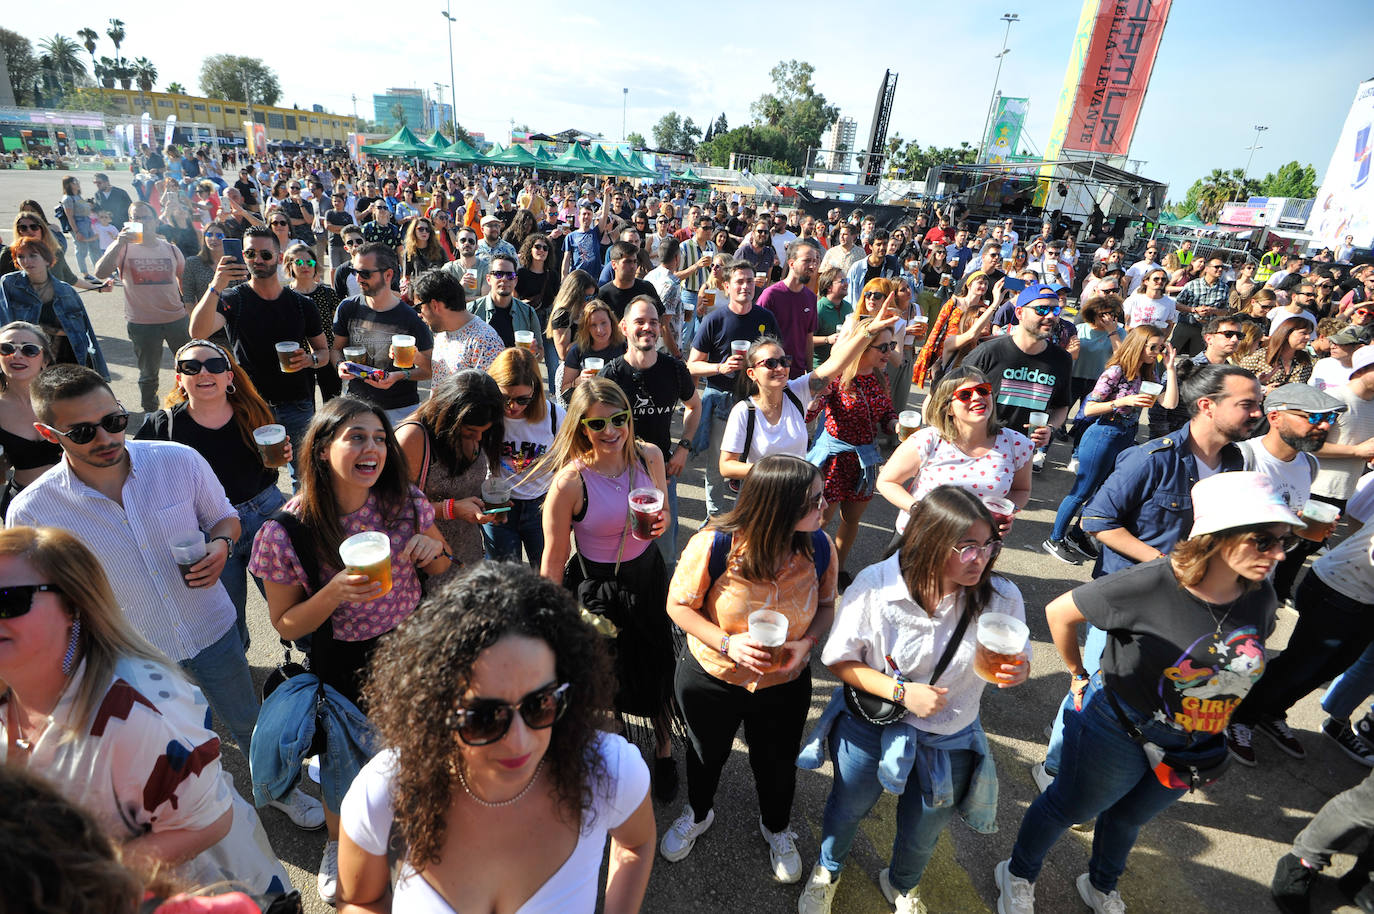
(1213, 852)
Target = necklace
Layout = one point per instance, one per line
(614, 480)
(1212, 612)
(512, 801)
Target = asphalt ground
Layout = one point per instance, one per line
(1214, 851)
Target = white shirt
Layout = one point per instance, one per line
(1292, 479)
(1338, 476)
(1136, 274)
(788, 436)
(1141, 309)
(1328, 373)
(525, 441)
(170, 490)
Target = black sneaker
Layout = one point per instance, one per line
(1239, 743)
(665, 780)
(1277, 729)
(1351, 744)
(1082, 542)
(1292, 885)
(1060, 550)
(1364, 729)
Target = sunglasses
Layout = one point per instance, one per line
(773, 364)
(215, 365)
(304, 262)
(30, 350)
(214, 236)
(28, 227)
(501, 274)
(279, 222)
(519, 401)
(1265, 542)
(353, 242)
(255, 254)
(818, 503)
(989, 550)
(1046, 310)
(487, 721)
(616, 420)
(874, 296)
(1319, 418)
(966, 394)
(17, 599)
(84, 432)
(365, 274)
(884, 347)
(540, 247)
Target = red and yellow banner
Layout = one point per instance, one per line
(1115, 75)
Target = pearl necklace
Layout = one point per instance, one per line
(512, 801)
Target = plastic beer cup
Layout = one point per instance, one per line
(403, 350)
(285, 350)
(369, 553)
(356, 354)
(271, 442)
(137, 229)
(593, 364)
(908, 421)
(187, 550)
(769, 629)
(524, 339)
(645, 506)
(1151, 390)
(1001, 639)
(1001, 509)
(496, 491)
(1320, 517)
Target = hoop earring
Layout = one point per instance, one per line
(230, 389)
(69, 658)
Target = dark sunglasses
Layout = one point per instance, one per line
(352, 242)
(875, 295)
(773, 364)
(255, 254)
(365, 274)
(17, 599)
(519, 401)
(28, 227)
(487, 721)
(278, 222)
(966, 394)
(84, 432)
(1319, 418)
(617, 420)
(539, 247)
(1265, 542)
(1231, 334)
(215, 365)
(30, 350)
(501, 274)
(884, 347)
(305, 262)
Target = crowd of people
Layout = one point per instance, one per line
(485, 388)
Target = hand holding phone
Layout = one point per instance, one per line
(233, 247)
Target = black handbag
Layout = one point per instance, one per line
(1177, 769)
(883, 712)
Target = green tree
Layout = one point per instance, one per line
(398, 115)
(672, 132)
(116, 33)
(1207, 194)
(764, 141)
(794, 107)
(21, 64)
(636, 140)
(85, 99)
(88, 38)
(63, 57)
(721, 125)
(1291, 180)
(226, 75)
(455, 130)
(176, 88)
(145, 72)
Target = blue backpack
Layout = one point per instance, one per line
(720, 555)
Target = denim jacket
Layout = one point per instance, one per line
(286, 728)
(905, 748)
(827, 446)
(522, 316)
(19, 302)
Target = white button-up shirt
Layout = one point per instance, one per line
(170, 490)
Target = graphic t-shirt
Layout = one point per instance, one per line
(152, 286)
(1168, 653)
(1142, 309)
(359, 325)
(586, 250)
(524, 442)
(255, 326)
(1022, 383)
(654, 395)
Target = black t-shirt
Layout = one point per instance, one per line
(1170, 652)
(361, 208)
(722, 327)
(538, 290)
(302, 210)
(359, 325)
(255, 326)
(334, 217)
(250, 193)
(1023, 384)
(619, 298)
(654, 395)
(234, 227)
(237, 466)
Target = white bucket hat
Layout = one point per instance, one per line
(1228, 501)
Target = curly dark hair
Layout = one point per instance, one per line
(421, 670)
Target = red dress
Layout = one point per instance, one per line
(854, 415)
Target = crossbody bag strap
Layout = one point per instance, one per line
(955, 640)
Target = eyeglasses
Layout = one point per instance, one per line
(214, 236)
(215, 365)
(501, 274)
(1265, 542)
(616, 420)
(1046, 310)
(1318, 418)
(884, 347)
(989, 550)
(773, 364)
(519, 401)
(17, 599)
(30, 350)
(966, 394)
(487, 721)
(256, 254)
(84, 432)
(817, 503)
(304, 262)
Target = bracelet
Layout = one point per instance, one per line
(899, 692)
(1081, 677)
(448, 509)
(812, 639)
(725, 645)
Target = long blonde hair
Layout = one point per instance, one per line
(572, 442)
(583, 338)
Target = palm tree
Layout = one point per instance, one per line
(105, 72)
(1221, 187)
(125, 74)
(116, 33)
(89, 37)
(176, 89)
(63, 56)
(145, 72)
(398, 114)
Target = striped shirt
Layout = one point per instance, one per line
(691, 253)
(170, 490)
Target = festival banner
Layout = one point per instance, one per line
(145, 123)
(170, 129)
(1004, 134)
(1345, 203)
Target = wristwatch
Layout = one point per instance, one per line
(228, 541)
(685, 443)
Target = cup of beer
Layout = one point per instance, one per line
(137, 229)
(285, 350)
(645, 506)
(1001, 639)
(369, 553)
(1321, 519)
(1001, 509)
(1039, 420)
(706, 300)
(768, 629)
(908, 421)
(403, 350)
(1151, 390)
(470, 279)
(524, 339)
(760, 278)
(593, 364)
(271, 442)
(356, 354)
(187, 550)
(917, 328)
(496, 491)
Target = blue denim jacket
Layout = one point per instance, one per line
(827, 446)
(285, 730)
(905, 748)
(19, 302)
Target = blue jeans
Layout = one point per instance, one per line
(295, 415)
(1093, 647)
(222, 673)
(715, 410)
(551, 366)
(523, 527)
(689, 322)
(667, 543)
(1097, 453)
(1104, 776)
(253, 513)
(855, 747)
(1351, 687)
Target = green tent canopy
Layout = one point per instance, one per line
(575, 159)
(436, 140)
(687, 176)
(608, 165)
(516, 155)
(459, 152)
(404, 144)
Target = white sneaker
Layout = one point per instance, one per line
(302, 809)
(819, 891)
(782, 853)
(1043, 779)
(683, 833)
(1100, 902)
(328, 880)
(910, 903)
(1038, 461)
(1017, 895)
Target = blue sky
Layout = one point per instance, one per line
(1224, 66)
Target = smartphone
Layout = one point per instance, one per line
(1013, 285)
(233, 247)
(496, 510)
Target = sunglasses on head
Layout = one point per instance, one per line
(84, 432)
(988, 550)
(215, 365)
(884, 347)
(17, 599)
(773, 364)
(486, 721)
(966, 394)
(29, 350)
(1263, 541)
(1319, 418)
(616, 420)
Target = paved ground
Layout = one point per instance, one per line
(1213, 852)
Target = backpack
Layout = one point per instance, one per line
(749, 428)
(720, 555)
(1247, 450)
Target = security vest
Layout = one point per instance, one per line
(1269, 264)
(1184, 257)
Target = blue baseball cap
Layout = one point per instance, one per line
(1037, 292)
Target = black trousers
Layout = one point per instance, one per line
(773, 719)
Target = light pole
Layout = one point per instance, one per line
(624, 111)
(1008, 18)
(439, 94)
(1259, 128)
(452, 83)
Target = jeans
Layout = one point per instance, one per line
(551, 365)
(1333, 630)
(1104, 776)
(523, 526)
(689, 322)
(85, 249)
(253, 513)
(147, 340)
(1345, 817)
(1079, 388)
(222, 673)
(1351, 688)
(1097, 453)
(667, 543)
(773, 721)
(1093, 647)
(715, 410)
(295, 415)
(855, 747)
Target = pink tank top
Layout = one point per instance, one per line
(606, 514)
